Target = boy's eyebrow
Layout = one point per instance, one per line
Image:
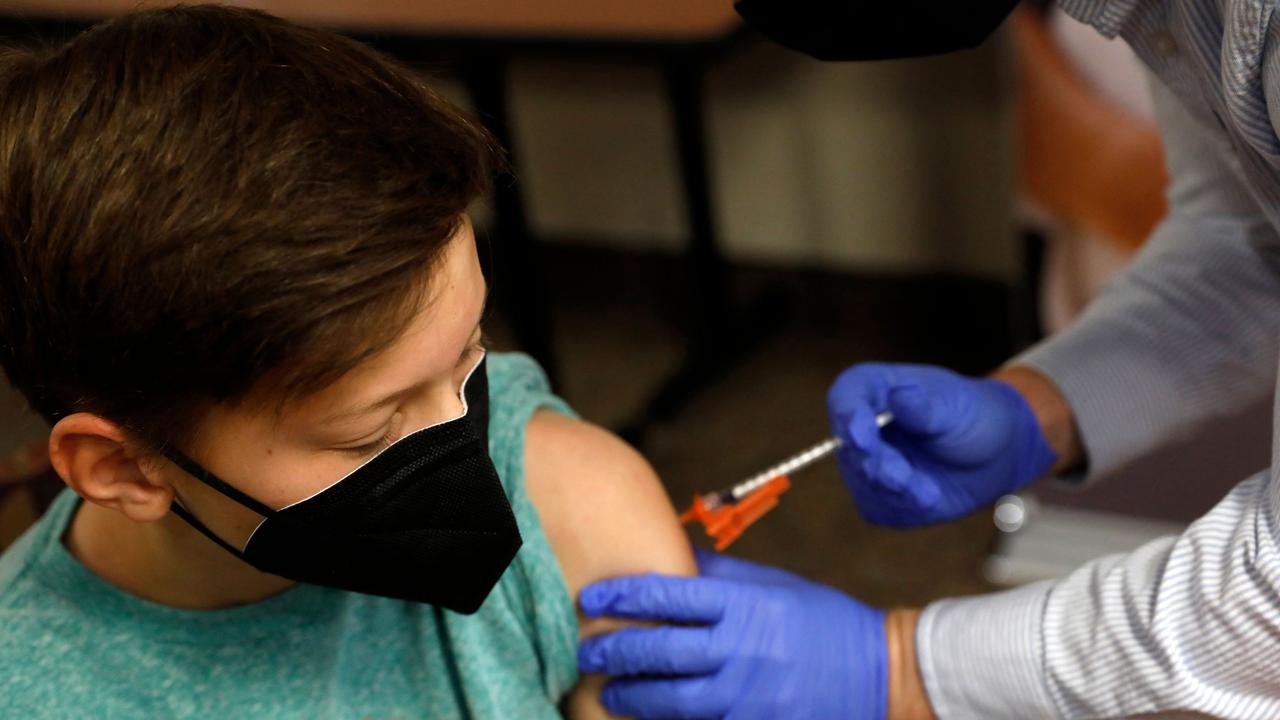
(400, 394)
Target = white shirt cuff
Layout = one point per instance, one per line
(981, 657)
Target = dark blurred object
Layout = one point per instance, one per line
(21, 464)
(853, 30)
(1082, 158)
(1095, 171)
(27, 486)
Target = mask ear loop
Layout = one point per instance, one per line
(198, 472)
(204, 530)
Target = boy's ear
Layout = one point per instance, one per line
(92, 456)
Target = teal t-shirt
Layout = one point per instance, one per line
(74, 646)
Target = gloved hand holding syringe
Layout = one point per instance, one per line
(916, 445)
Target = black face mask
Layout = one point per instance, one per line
(424, 520)
(852, 30)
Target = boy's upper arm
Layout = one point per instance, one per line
(601, 505)
(605, 514)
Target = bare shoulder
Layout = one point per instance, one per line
(601, 504)
(605, 514)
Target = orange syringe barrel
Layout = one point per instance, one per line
(726, 523)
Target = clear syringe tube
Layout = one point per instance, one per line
(791, 465)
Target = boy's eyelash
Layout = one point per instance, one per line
(370, 448)
(386, 440)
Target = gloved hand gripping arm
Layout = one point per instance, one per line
(750, 642)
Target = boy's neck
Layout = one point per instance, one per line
(166, 561)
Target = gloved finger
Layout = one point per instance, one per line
(878, 514)
(916, 412)
(665, 699)
(879, 482)
(882, 504)
(905, 484)
(904, 487)
(924, 491)
(861, 436)
(860, 384)
(885, 466)
(727, 567)
(652, 651)
(864, 428)
(657, 597)
(870, 492)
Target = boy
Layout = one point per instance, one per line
(238, 278)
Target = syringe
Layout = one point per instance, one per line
(799, 461)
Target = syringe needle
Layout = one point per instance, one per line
(789, 466)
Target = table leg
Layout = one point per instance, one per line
(716, 335)
(517, 279)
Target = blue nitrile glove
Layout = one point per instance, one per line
(753, 642)
(956, 443)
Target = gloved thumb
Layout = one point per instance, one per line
(914, 411)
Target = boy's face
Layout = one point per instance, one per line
(415, 382)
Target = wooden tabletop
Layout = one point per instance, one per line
(677, 21)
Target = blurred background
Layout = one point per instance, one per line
(702, 229)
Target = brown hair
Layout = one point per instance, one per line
(203, 203)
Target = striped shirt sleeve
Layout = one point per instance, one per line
(1188, 335)
(1187, 624)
